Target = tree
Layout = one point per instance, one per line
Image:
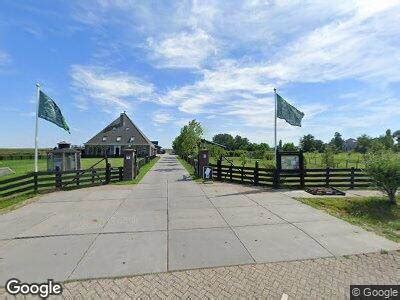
(337, 142)
(384, 169)
(289, 147)
(364, 143)
(224, 139)
(309, 144)
(386, 140)
(240, 143)
(328, 157)
(187, 143)
(216, 151)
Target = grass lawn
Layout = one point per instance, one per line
(143, 170)
(189, 168)
(372, 213)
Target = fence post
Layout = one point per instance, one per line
(35, 181)
(77, 178)
(58, 179)
(276, 178)
(327, 177)
(108, 175)
(352, 178)
(120, 171)
(256, 173)
(230, 171)
(302, 175)
(93, 176)
(241, 175)
(219, 169)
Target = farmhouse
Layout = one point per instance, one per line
(120, 134)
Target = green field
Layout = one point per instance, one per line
(21, 167)
(311, 160)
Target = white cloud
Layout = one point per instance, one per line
(112, 90)
(183, 50)
(162, 117)
(4, 58)
(363, 46)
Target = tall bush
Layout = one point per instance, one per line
(384, 169)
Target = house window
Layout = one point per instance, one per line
(131, 139)
(104, 138)
(118, 139)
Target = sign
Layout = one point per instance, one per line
(207, 173)
(290, 162)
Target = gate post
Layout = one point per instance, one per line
(256, 173)
(108, 173)
(219, 169)
(327, 177)
(129, 164)
(203, 160)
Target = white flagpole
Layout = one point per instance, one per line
(275, 125)
(37, 126)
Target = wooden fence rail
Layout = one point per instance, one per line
(47, 181)
(350, 178)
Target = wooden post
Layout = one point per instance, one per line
(241, 175)
(276, 178)
(352, 178)
(327, 177)
(256, 173)
(35, 181)
(302, 171)
(108, 175)
(92, 176)
(120, 172)
(58, 179)
(219, 169)
(230, 171)
(77, 178)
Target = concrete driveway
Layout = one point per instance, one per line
(166, 223)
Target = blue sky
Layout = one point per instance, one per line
(215, 61)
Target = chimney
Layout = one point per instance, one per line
(121, 118)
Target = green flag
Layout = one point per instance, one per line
(49, 111)
(288, 112)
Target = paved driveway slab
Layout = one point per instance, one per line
(195, 218)
(124, 254)
(189, 202)
(279, 242)
(130, 221)
(37, 259)
(244, 216)
(133, 204)
(232, 201)
(342, 238)
(200, 248)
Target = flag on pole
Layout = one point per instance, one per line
(49, 111)
(288, 112)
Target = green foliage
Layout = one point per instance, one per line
(328, 157)
(289, 147)
(337, 142)
(243, 158)
(216, 151)
(309, 144)
(384, 168)
(187, 142)
(224, 139)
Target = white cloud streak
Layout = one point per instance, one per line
(109, 89)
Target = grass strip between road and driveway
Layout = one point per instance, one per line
(143, 170)
(372, 213)
(190, 169)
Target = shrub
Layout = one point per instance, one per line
(384, 169)
(328, 157)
